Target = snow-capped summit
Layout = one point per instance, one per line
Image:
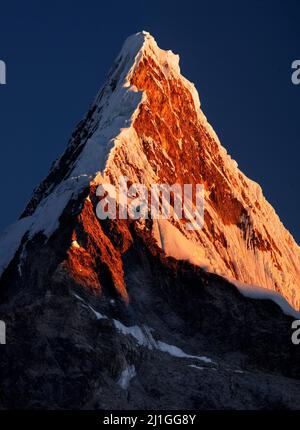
(146, 124)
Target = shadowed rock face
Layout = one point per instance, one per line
(99, 317)
(69, 345)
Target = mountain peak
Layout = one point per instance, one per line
(144, 313)
(143, 43)
(146, 124)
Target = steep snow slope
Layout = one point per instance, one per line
(146, 124)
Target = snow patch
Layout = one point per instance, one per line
(194, 366)
(126, 376)
(22, 259)
(176, 245)
(98, 315)
(179, 353)
(142, 335)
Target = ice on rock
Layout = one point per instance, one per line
(126, 376)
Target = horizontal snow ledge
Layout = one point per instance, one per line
(260, 293)
(177, 352)
(144, 337)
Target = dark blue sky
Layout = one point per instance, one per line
(238, 53)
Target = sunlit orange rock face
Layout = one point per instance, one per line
(94, 257)
(169, 118)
